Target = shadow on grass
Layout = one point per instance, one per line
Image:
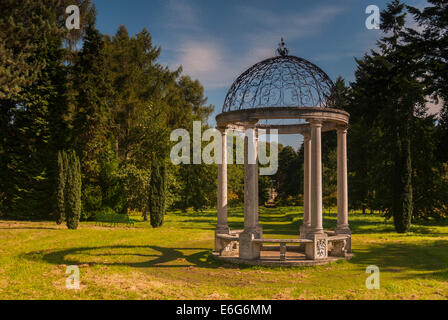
(408, 260)
(159, 257)
(287, 221)
(29, 228)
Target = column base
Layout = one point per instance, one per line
(303, 235)
(318, 249)
(259, 231)
(313, 231)
(343, 229)
(222, 229)
(247, 248)
(304, 229)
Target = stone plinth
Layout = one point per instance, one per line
(247, 248)
(318, 249)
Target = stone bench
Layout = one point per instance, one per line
(227, 236)
(227, 243)
(282, 243)
(338, 245)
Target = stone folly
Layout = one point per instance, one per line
(290, 88)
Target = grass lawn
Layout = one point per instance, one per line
(174, 262)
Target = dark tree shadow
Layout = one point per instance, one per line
(287, 221)
(30, 228)
(163, 258)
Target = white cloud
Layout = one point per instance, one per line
(204, 61)
(199, 58)
(213, 64)
(292, 26)
(216, 65)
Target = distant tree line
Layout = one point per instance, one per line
(85, 120)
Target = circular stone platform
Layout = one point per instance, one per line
(272, 259)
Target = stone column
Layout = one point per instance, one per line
(256, 173)
(306, 186)
(316, 177)
(250, 189)
(342, 224)
(222, 226)
(248, 249)
(318, 249)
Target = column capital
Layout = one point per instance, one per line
(222, 129)
(249, 124)
(342, 128)
(315, 122)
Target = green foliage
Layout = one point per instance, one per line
(264, 185)
(112, 188)
(91, 118)
(92, 200)
(33, 132)
(388, 100)
(433, 22)
(23, 25)
(289, 177)
(73, 191)
(62, 178)
(34, 106)
(157, 193)
(111, 102)
(136, 184)
(197, 186)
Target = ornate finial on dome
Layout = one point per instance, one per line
(282, 50)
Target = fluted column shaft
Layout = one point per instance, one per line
(342, 224)
(250, 181)
(307, 181)
(222, 186)
(316, 177)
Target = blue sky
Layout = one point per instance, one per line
(215, 41)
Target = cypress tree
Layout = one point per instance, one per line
(157, 193)
(61, 182)
(73, 191)
(402, 205)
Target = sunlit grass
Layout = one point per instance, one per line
(174, 262)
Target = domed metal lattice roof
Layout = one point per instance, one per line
(281, 81)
